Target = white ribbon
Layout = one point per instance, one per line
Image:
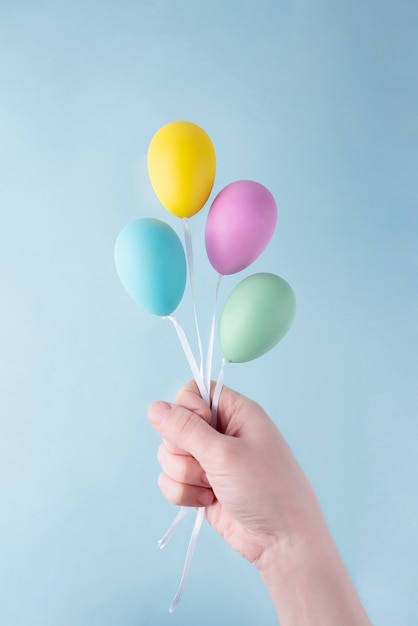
(200, 511)
(203, 381)
(190, 358)
(189, 254)
(216, 394)
(189, 556)
(212, 336)
(170, 532)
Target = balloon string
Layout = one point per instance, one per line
(190, 358)
(203, 392)
(201, 511)
(204, 388)
(189, 556)
(217, 392)
(212, 336)
(205, 395)
(189, 255)
(170, 532)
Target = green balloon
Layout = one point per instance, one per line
(256, 316)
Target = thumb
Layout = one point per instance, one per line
(183, 428)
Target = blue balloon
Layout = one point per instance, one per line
(151, 265)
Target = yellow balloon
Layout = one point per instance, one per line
(181, 167)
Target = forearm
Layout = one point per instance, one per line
(309, 584)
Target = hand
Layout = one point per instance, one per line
(254, 491)
(258, 498)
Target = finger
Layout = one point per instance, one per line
(173, 449)
(230, 408)
(182, 468)
(185, 430)
(182, 494)
(190, 398)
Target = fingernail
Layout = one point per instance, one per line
(206, 497)
(158, 411)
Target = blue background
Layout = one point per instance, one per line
(316, 100)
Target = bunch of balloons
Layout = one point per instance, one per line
(150, 258)
(152, 263)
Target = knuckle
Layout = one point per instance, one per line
(187, 425)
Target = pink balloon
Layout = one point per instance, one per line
(240, 224)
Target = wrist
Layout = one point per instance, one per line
(307, 581)
(288, 553)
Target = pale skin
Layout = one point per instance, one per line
(259, 500)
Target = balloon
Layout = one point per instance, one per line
(257, 314)
(151, 264)
(240, 224)
(181, 166)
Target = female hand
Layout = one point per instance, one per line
(244, 473)
(258, 498)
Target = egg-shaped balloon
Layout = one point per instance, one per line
(255, 317)
(181, 167)
(151, 265)
(240, 223)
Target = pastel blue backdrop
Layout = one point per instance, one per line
(318, 101)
